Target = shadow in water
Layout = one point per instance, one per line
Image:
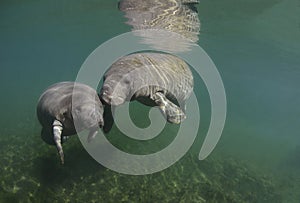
(78, 163)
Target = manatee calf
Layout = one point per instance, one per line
(54, 112)
(154, 79)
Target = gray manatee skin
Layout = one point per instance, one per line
(54, 109)
(151, 78)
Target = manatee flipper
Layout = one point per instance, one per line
(92, 134)
(171, 111)
(57, 131)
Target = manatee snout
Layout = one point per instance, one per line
(114, 94)
(88, 116)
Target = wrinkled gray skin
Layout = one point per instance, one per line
(154, 79)
(54, 112)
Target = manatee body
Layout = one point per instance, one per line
(154, 79)
(54, 112)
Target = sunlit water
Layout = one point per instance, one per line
(255, 46)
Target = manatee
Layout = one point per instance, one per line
(154, 79)
(54, 112)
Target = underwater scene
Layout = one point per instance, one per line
(255, 47)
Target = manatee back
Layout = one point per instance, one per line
(145, 73)
(56, 103)
(55, 100)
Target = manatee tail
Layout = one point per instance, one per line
(57, 131)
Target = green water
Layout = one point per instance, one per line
(256, 47)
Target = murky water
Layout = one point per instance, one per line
(255, 46)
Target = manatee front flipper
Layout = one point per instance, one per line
(57, 131)
(171, 112)
(92, 134)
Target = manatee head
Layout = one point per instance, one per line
(88, 115)
(115, 90)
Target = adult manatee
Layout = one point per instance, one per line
(157, 79)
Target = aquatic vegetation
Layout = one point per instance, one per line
(33, 174)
